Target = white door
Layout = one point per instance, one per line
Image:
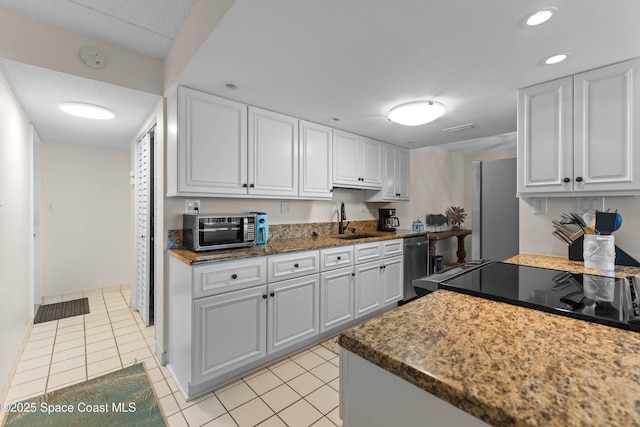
(273, 154)
(545, 137)
(336, 298)
(316, 160)
(367, 288)
(141, 295)
(229, 332)
(606, 100)
(392, 280)
(293, 311)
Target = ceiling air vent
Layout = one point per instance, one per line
(461, 127)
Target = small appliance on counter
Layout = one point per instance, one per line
(262, 227)
(218, 231)
(388, 221)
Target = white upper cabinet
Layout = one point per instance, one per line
(605, 128)
(273, 154)
(545, 137)
(316, 161)
(576, 134)
(206, 144)
(395, 176)
(357, 161)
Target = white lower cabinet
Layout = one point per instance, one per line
(336, 298)
(229, 331)
(293, 311)
(228, 318)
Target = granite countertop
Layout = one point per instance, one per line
(280, 246)
(505, 364)
(561, 263)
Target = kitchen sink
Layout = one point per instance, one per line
(354, 236)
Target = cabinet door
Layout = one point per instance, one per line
(273, 154)
(346, 154)
(336, 298)
(392, 280)
(545, 137)
(368, 297)
(316, 161)
(293, 311)
(606, 100)
(229, 332)
(212, 144)
(389, 191)
(370, 163)
(403, 174)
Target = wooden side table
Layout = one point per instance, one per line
(460, 234)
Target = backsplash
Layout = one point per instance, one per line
(293, 231)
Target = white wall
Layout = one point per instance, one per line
(535, 230)
(85, 218)
(16, 231)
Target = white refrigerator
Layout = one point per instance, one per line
(495, 210)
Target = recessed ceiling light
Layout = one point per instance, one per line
(231, 85)
(335, 119)
(416, 113)
(541, 16)
(87, 111)
(556, 58)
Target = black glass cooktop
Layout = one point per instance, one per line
(598, 299)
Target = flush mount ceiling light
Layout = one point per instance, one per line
(541, 16)
(87, 111)
(556, 58)
(416, 113)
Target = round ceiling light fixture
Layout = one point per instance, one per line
(87, 111)
(541, 16)
(555, 59)
(416, 113)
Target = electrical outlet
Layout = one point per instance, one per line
(285, 207)
(540, 205)
(191, 206)
(589, 204)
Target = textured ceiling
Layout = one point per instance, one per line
(147, 26)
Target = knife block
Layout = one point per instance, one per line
(575, 250)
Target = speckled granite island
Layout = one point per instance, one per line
(502, 364)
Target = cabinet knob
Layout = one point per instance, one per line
(244, 185)
(566, 180)
(234, 276)
(264, 296)
(579, 179)
(252, 185)
(353, 274)
(339, 258)
(272, 294)
(296, 265)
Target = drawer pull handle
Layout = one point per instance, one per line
(234, 276)
(296, 265)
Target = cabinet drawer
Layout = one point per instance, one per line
(333, 258)
(392, 247)
(288, 266)
(214, 279)
(367, 252)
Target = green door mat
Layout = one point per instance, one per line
(61, 310)
(122, 398)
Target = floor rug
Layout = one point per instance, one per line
(61, 310)
(122, 398)
(331, 344)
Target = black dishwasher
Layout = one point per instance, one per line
(416, 260)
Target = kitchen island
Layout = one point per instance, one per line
(452, 355)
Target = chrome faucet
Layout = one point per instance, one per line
(343, 217)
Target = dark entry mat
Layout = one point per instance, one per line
(62, 310)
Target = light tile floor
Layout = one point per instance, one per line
(298, 391)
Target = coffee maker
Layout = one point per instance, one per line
(388, 221)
